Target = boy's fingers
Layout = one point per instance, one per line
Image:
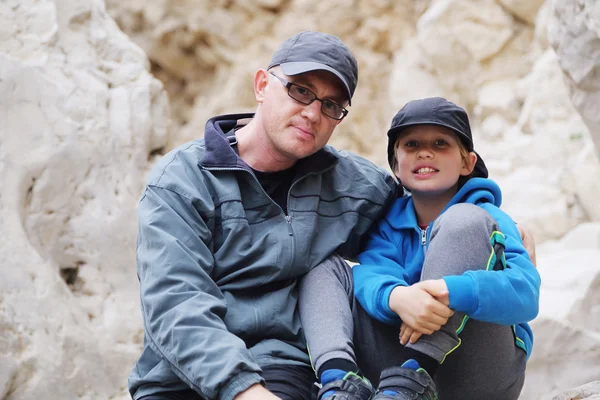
(415, 336)
(435, 287)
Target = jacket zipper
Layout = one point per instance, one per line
(424, 239)
(288, 219)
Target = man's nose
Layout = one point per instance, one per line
(312, 111)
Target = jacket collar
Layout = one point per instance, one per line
(474, 191)
(220, 154)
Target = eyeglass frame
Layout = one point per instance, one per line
(289, 85)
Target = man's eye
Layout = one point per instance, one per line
(330, 105)
(302, 91)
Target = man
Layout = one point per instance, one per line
(228, 224)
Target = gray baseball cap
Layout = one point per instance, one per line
(311, 51)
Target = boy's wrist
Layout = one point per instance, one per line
(396, 299)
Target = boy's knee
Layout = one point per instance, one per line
(464, 217)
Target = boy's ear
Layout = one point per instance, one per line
(261, 79)
(468, 164)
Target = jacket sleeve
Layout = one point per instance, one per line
(509, 296)
(379, 272)
(182, 307)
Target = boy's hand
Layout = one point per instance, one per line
(256, 392)
(408, 334)
(438, 289)
(418, 306)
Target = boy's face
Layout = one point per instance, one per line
(429, 160)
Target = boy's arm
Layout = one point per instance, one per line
(379, 272)
(182, 307)
(507, 297)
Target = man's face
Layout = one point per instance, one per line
(294, 130)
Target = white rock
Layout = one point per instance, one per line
(574, 31)
(525, 10)
(80, 117)
(590, 391)
(567, 330)
(498, 97)
(482, 28)
(8, 370)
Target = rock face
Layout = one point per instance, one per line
(574, 33)
(567, 330)
(590, 391)
(81, 117)
(82, 120)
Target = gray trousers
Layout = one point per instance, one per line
(485, 365)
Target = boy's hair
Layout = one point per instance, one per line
(435, 111)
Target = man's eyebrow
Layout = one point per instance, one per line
(338, 98)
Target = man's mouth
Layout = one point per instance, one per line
(425, 170)
(305, 131)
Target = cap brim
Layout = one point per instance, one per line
(295, 68)
(395, 129)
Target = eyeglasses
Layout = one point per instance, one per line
(305, 96)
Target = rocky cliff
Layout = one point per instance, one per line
(92, 93)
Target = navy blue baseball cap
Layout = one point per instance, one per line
(312, 51)
(435, 111)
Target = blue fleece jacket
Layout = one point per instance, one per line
(395, 253)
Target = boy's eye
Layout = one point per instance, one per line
(441, 142)
(411, 143)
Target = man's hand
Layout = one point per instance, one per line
(256, 392)
(422, 305)
(528, 242)
(408, 334)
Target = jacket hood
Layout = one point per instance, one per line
(220, 153)
(474, 191)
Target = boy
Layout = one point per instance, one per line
(445, 263)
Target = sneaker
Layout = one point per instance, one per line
(408, 382)
(350, 387)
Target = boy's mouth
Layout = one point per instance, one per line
(425, 170)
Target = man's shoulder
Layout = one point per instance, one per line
(367, 178)
(180, 167)
(352, 161)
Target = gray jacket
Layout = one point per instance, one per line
(218, 260)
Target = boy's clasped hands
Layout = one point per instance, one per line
(422, 307)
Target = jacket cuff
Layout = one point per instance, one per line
(461, 291)
(238, 384)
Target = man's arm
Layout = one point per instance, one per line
(182, 307)
(528, 242)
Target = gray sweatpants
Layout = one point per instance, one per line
(486, 365)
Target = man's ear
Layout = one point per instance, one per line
(468, 164)
(261, 79)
